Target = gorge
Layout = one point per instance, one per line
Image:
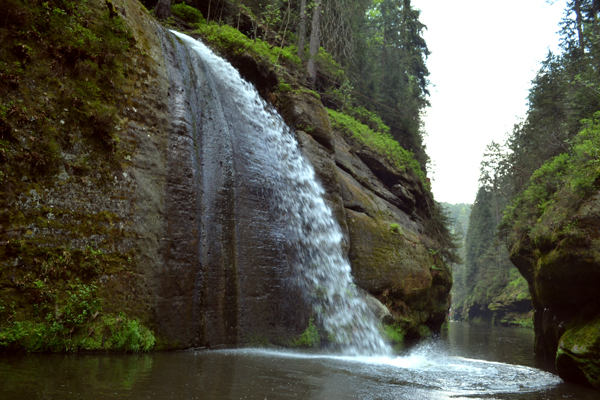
(157, 197)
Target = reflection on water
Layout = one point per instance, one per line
(468, 362)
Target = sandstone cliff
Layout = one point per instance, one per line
(554, 242)
(113, 222)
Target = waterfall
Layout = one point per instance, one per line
(311, 236)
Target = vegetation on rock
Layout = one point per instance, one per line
(380, 142)
(63, 83)
(309, 338)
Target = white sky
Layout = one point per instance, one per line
(484, 56)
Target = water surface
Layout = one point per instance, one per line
(468, 362)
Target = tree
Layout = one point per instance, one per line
(163, 9)
(480, 235)
(302, 29)
(315, 37)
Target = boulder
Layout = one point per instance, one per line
(578, 355)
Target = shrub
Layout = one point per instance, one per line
(309, 338)
(229, 40)
(187, 13)
(75, 326)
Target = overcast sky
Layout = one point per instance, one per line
(484, 56)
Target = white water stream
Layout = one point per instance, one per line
(322, 271)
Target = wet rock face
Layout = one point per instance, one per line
(578, 355)
(376, 206)
(225, 274)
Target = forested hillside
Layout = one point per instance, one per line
(459, 215)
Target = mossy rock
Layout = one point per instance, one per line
(303, 111)
(578, 356)
(382, 259)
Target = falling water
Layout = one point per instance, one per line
(312, 233)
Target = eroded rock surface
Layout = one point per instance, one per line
(560, 259)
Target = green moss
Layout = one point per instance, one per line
(231, 41)
(309, 338)
(579, 348)
(187, 13)
(378, 142)
(395, 333)
(60, 98)
(308, 91)
(396, 229)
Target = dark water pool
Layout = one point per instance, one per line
(468, 362)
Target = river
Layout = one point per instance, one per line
(467, 362)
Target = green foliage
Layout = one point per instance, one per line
(231, 41)
(71, 323)
(518, 285)
(343, 97)
(187, 13)
(396, 229)
(309, 338)
(395, 333)
(377, 142)
(368, 118)
(283, 87)
(559, 185)
(329, 67)
(128, 334)
(388, 67)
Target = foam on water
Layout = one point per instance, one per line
(440, 372)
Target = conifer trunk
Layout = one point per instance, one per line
(163, 9)
(579, 26)
(302, 29)
(315, 35)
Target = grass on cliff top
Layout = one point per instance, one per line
(229, 40)
(378, 142)
(557, 189)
